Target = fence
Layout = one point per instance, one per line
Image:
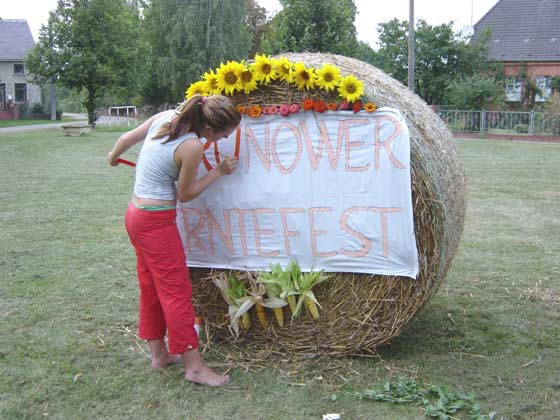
(118, 114)
(502, 122)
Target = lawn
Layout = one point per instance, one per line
(68, 303)
(17, 123)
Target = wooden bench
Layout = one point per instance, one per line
(76, 130)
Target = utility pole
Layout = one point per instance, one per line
(411, 45)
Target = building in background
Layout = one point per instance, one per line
(15, 87)
(525, 38)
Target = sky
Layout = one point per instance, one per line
(370, 13)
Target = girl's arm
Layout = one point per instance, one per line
(129, 139)
(188, 157)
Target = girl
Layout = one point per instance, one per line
(166, 172)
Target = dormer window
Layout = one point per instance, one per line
(19, 68)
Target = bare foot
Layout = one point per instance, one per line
(206, 376)
(169, 359)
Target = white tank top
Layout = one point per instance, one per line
(156, 171)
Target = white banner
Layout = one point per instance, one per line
(331, 191)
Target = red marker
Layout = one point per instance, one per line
(126, 162)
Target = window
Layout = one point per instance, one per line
(21, 92)
(513, 89)
(544, 83)
(19, 68)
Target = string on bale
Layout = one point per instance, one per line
(361, 311)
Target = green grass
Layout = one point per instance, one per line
(18, 123)
(68, 302)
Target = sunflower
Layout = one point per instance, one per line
(248, 79)
(328, 77)
(197, 87)
(264, 70)
(229, 77)
(211, 83)
(351, 89)
(303, 77)
(282, 67)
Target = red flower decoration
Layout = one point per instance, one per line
(320, 106)
(294, 108)
(357, 106)
(308, 104)
(369, 107)
(331, 106)
(255, 111)
(284, 110)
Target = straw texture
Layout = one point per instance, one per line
(360, 311)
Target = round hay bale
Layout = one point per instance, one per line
(362, 311)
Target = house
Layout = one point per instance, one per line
(525, 36)
(15, 88)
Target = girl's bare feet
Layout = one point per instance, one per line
(199, 372)
(169, 359)
(206, 376)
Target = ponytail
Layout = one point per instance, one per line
(216, 111)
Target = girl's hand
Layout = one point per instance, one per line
(112, 159)
(227, 165)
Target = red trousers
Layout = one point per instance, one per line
(163, 276)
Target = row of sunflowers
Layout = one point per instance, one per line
(235, 77)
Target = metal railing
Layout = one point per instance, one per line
(502, 122)
(118, 114)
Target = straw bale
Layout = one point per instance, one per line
(361, 311)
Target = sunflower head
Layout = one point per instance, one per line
(303, 77)
(264, 69)
(328, 77)
(196, 88)
(211, 83)
(350, 88)
(248, 79)
(229, 77)
(282, 67)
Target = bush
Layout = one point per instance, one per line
(521, 128)
(37, 110)
(23, 109)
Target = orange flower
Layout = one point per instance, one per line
(255, 111)
(320, 106)
(241, 109)
(369, 107)
(357, 106)
(331, 106)
(308, 104)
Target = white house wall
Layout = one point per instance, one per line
(8, 77)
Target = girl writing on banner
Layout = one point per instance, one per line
(166, 172)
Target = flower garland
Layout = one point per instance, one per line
(239, 77)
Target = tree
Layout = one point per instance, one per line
(91, 44)
(441, 57)
(478, 91)
(189, 37)
(313, 26)
(257, 25)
